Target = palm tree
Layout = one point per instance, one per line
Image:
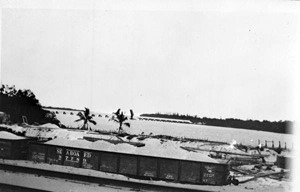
(117, 112)
(86, 118)
(120, 118)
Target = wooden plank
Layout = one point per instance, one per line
(226, 152)
(264, 175)
(6, 149)
(148, 167)
(90, 160)
(240, 171)
(93, 139)
(37, 153)
(20, 149)
(128, 164)
(5, 143)
(189, 172)
(109, 162)
(169, 169)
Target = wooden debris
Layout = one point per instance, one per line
(92, 139)
(240, 171)
(264, 175)
(225, 152)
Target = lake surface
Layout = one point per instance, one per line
(243, 136)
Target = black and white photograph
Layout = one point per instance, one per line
(149, 95)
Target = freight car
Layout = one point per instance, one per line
(136, 166)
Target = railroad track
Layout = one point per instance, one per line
(101, 182)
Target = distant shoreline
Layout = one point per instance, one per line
(284, 127)
(61, 108)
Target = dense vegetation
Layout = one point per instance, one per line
(275, 126)
(19, 103)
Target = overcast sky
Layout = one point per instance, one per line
(176, 56)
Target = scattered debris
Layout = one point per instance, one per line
(92, 139)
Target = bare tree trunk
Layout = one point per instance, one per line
(120, 127)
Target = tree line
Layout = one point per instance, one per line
(269, 126)
(17, 103)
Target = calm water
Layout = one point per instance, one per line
(188, 130)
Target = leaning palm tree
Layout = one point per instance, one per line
(86, 118)
(120, 118)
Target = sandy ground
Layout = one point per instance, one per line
(153, 146)
(11, 136)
